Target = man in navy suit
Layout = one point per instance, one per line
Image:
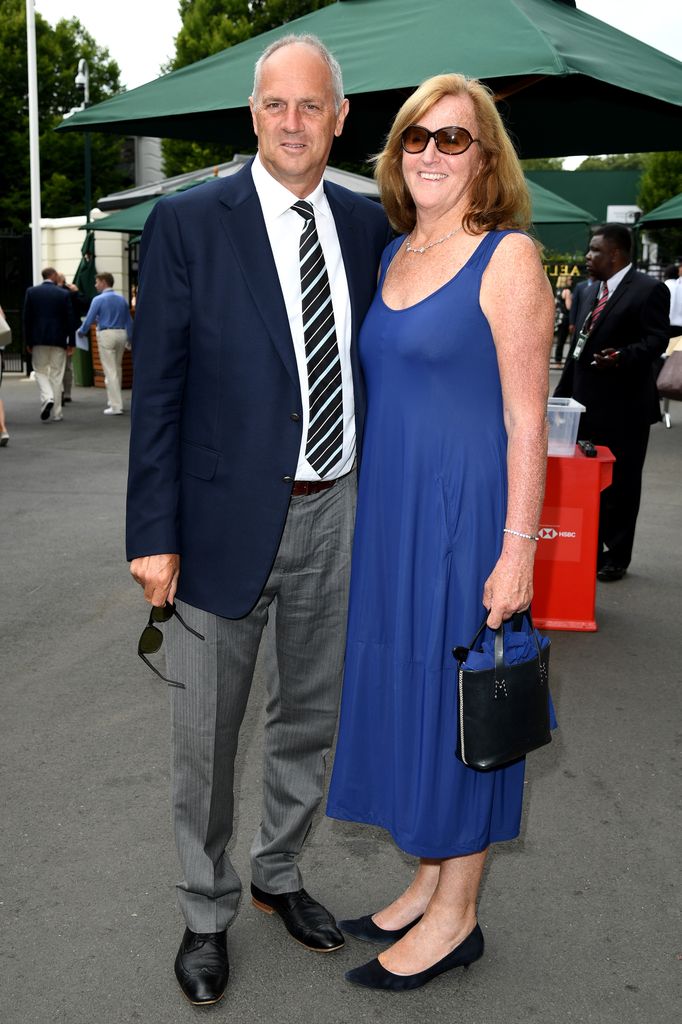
(621, 332)
(49, 327)
(247, 414)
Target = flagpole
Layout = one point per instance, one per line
(34, 146)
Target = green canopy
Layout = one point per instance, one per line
(667, 213)
(567, 82)
(131, 220)
(548, 208)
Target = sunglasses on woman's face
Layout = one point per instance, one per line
(451, 141)
(152, 637)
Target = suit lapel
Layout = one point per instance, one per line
(242, 219)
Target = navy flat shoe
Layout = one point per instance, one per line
(374, 974)
(366, 930)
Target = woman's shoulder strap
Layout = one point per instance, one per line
(491, 242)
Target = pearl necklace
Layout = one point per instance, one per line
(422, 248)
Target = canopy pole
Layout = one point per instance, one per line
(34, 145)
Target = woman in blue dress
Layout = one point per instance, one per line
(455, 350)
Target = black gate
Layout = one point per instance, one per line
(15, 278)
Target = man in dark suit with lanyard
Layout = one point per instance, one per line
(247, 413)
(622, 330)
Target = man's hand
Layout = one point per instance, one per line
(607, 359)
(158, 575)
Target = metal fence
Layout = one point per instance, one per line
(12, 362)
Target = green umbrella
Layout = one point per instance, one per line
(567, 82)
(84, 278)
(668, 212)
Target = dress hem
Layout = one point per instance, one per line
(422, 851)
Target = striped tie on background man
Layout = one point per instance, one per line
(599, 308)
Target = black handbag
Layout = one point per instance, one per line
(503, 710)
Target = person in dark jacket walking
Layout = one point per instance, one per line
(49, 328)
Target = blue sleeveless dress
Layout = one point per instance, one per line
(431, 509)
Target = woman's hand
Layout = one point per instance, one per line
(509, 588)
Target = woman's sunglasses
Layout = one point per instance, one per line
(451, 141)
(152, 637)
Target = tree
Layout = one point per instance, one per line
(662, 179)
(614, 162)
(61, 155)
(543, 163)
(209, 26)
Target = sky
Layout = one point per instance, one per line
(140, 35)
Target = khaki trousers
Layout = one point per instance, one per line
(112, 345)
(49, 362)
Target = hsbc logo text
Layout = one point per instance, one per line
(549, 533)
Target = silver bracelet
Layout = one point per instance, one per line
(517, 533)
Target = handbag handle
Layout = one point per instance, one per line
(462, 653)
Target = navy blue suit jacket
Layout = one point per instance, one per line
(216, 407)
(48, 316)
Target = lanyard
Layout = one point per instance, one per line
(586, 329)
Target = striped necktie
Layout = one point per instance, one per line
(324, 443)
(599, 307)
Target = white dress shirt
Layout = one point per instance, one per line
(675, 289)
(614, 281)
(284, 228)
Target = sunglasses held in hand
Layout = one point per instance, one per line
(152, 637)
(452, 140)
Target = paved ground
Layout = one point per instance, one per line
(581, 915)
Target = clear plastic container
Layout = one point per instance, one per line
(563, 415)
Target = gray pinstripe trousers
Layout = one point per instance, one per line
(308, 588)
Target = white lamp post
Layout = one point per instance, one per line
(34, 148)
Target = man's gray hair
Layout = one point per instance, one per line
(317, 45)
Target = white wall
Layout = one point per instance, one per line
(62, 240)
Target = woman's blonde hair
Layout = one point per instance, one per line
(499, 195)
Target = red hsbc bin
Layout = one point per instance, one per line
(565, 580)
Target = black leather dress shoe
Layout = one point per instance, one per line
(304, 918)
(366, 930)
(201, 966)
(375, 975)
(610, 573)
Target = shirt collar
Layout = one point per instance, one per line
(614, 281)
(276, 200)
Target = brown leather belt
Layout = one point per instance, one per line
(310, 487)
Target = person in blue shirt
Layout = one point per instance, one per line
(110, 311)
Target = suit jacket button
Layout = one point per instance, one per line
(295, 417)
(287, 479)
